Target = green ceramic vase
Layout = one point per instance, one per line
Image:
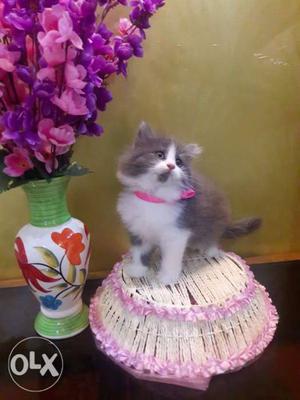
(53, 252)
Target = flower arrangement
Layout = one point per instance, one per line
(56, 57)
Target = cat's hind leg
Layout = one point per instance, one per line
(213, 251)
(210, 250)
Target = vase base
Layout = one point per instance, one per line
(61, 328)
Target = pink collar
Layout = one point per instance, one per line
(186, 194)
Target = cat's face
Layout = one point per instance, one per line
(156, 163)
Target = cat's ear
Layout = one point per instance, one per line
(144, 132)
(192, 150)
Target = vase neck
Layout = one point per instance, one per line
(47, 202)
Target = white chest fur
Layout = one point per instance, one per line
(150, 221)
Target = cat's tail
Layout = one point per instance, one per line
(242, 227)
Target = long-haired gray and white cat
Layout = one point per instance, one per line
(165, 204)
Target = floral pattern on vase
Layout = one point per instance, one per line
(64, 276)
(55, 264)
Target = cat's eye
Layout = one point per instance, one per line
(160, 154)
(179, 162)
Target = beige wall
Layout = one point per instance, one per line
(225, 74)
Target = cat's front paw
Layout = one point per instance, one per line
(167, 277)
(135, 270)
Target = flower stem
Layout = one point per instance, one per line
(3, 105)
(109, 6)
(58, 272)
(62, 291)
(61, 262)
(12, 83)
(63, 71)
(53, 153)
(131, 29)
(43, 174)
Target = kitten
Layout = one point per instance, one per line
(165, 204)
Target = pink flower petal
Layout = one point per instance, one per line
(76, 41)
(6, 65)
(71, 102)
(46, 73)
(44, 128)
(17, 163)
(74, 75)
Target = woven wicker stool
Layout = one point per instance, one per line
(216, 319)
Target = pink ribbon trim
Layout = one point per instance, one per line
(186, 194)
(191, 313)
(151, 366)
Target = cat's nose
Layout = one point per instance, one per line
(170, 166)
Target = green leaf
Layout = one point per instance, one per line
(3, 153)
(71, 273)
(48, 257)
(82, 275)
(50, 273)
(75, 169)
(61, 286)
(5, 180)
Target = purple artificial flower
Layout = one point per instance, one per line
(18, 126)
(103, 2)
(48, 3)
(48, 109)
(100, 46)
(89, 128)
(122, 68)
(43, 63)
(86, 56)
(12, 122)
(102, 66)
(44, 89)
(8, 6)
(25, 73)
(31, 139)
(126, 47)
(88, 9)
(84, 21)
(143, 11)
(19, 40)
(104, 96)
(24, 3)
(104, 31)
(136, 44)
(56, 61)
(21, 20)
(28, 120)
(29, 102)
(140, 18)
(94, 129)
(123, 50)
(91, 98)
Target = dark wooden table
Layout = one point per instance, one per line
(89, 375)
